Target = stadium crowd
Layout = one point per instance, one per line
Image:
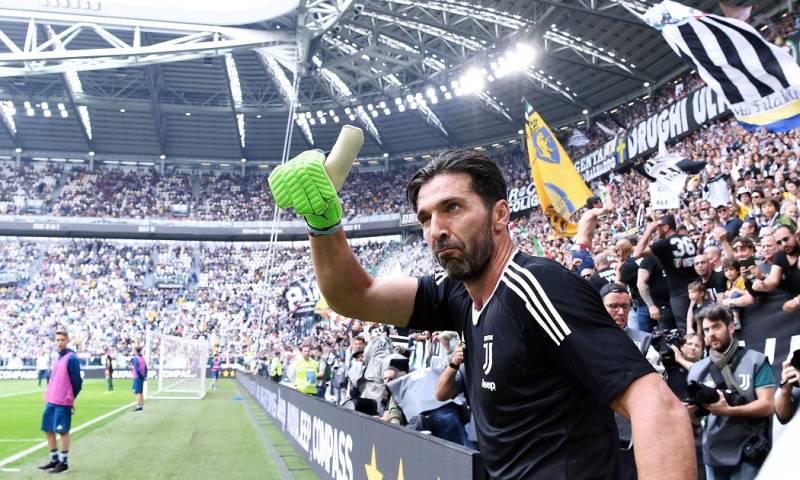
(118, 193)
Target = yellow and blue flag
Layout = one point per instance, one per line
(560, 187)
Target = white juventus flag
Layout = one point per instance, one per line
(664, 171)
(760, 81)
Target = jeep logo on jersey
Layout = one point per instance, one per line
(487, 353)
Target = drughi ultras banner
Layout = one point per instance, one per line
(680, 118)
(559, 186)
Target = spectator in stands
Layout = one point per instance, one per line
(789, 213)
(729, 218)
(784, 273)
(604, 273)
(392, 412)
(617, 302)
(698, 300)
(707, 226)
(749, 228)
(355, 374)
(416, 396)
(735, 420)
(770, 216)
(714, 282)
(627, 274)
(735, 296)
(714, 258)
(586, 273)
(326, 360)
(583, 243)
(685, 357)
(651, 281)
(788, 396)
(676, 253)
(690, 352)
(767, 248)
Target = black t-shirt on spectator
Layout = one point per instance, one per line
(659, 290)
(715, 286)
(790, 274)
(602, 277)
(628, 275)
(676, 254)
(543, 363)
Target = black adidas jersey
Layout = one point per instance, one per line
(676, 255)
(543, 363)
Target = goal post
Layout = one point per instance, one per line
(181, 365)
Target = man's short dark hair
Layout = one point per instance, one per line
(487, 179)
(62, 332)
(744, 241)
(668, 220)
(592, 200)
(715, 312)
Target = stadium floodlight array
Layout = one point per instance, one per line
(181, 366)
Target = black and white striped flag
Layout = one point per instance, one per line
(759, 81)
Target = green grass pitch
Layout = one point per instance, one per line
(210, 438)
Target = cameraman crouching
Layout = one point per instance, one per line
(735, 439)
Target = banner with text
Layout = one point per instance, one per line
(344, 445)
(676, 120)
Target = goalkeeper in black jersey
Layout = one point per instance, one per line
(546, 367)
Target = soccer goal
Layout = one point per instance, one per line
(181, 367)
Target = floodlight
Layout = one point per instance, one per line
(472, 81)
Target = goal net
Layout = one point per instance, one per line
(181, 367)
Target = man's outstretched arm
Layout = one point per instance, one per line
(351, 291)
(661, 430)
(309, 183)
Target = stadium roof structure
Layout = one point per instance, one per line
(129, 81)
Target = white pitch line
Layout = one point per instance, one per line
(17, 456)
(5, 395)
(12, 440)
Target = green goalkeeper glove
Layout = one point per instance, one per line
(303, 183)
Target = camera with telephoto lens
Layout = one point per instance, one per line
(699, 394)
(661, 341)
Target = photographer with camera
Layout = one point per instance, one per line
(736, 386)
(788, 396)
